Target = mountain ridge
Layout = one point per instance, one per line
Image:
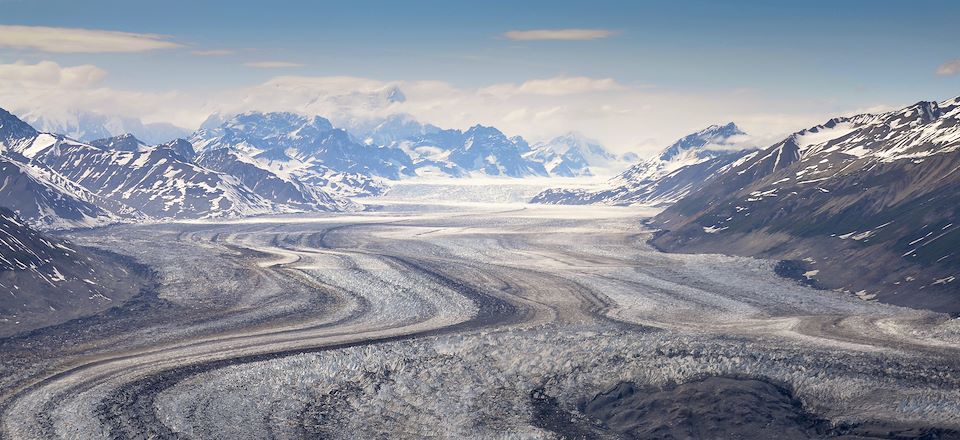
(864, 204)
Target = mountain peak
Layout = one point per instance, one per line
(394, 94)
(123, 142)
(712, 135)
(13, 129)
(182, 147)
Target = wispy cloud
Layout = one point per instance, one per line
(951, 67)
(272, 64)
(557, 86)
(559, 34)
(76, 40)
(213, 52)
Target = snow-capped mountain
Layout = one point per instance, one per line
(87, 126)
(307, 149)
(41, 195)
(665, 178)
(45, 280)
(182, 147)
(866, 203)
(573, 155)
(479, 150)
(156, 181)
(277, 187)
(51, 201)
(55, 182)
(389, 130)
(694, 148)
(14, 133)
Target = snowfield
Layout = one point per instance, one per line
(417, 320)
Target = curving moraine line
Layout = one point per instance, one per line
(127, 411)
(329, 286)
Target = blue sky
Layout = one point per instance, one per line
(801, 60)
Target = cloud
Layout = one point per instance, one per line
(951, 67)
(559, 34)
(76, 40)
(623, 117)
(213, 52)
(641, 119)
(55, 91)
(272, 64)
(557, 86)
(47, 74)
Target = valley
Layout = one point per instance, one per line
(419, 319)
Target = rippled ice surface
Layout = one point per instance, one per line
(415, 320)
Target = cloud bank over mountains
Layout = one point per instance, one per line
(626, 117)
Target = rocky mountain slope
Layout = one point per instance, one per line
(677, 171)
(272, 186)
(53, 181)
(867, 204)
(155, 181)
(46, 280)
(52, 201)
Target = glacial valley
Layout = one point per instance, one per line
(478, 320)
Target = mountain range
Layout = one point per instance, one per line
(665, 178)
(865, 204)
(256, 163)
(53, 181)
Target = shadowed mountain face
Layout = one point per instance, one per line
(46, 280)
(677, 171)
(123, 142)
(867, 204)
(14, 132)
(50, 200)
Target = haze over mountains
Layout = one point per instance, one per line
(87, 126)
